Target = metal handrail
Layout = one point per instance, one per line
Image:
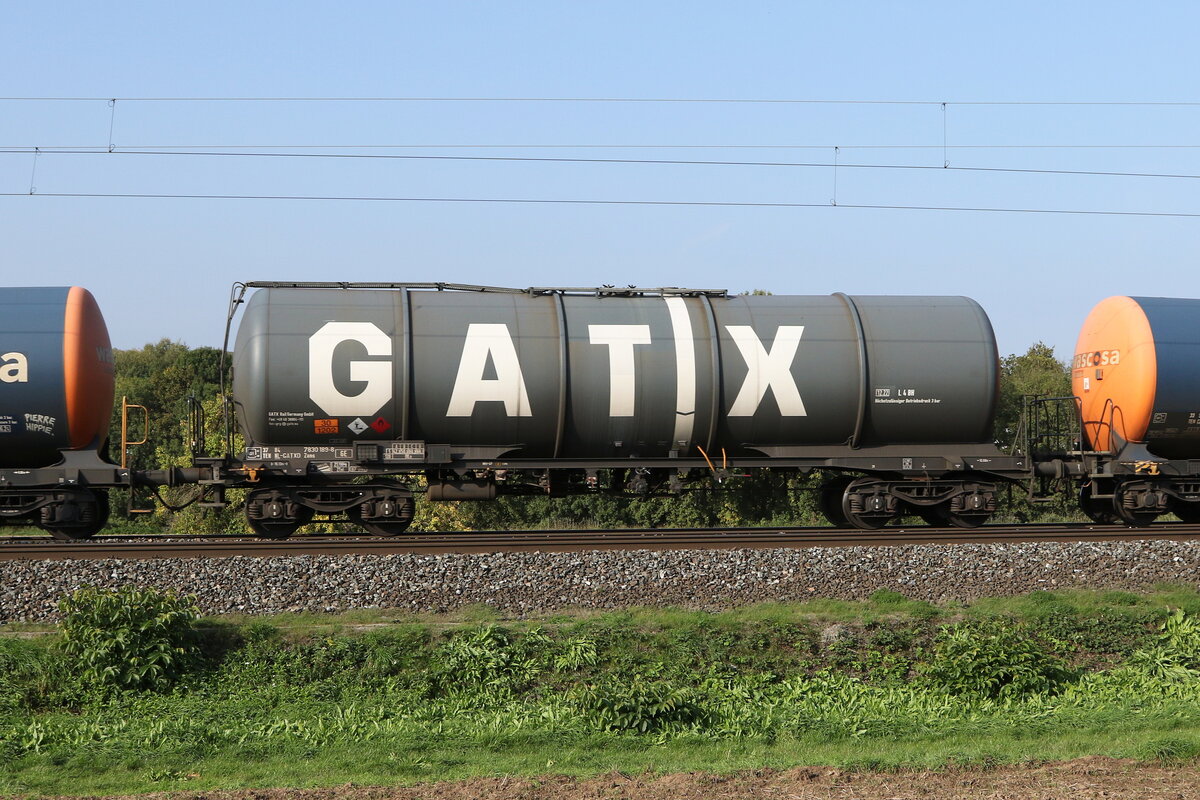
(596, 291)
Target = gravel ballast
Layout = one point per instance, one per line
(522, 583)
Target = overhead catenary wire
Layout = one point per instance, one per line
(534, 99)
(241, 151)
(594, 146)
(835, 164)
(596, 202)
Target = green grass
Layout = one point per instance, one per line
(882, 605)
(381, 697)
(410, 760)
(1088, 602)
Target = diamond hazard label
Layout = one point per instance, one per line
(358, 426)
(325, 426)
(380, 425)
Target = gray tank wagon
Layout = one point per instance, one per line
(339, 388)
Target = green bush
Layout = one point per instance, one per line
(1117, 633)
(129, 638)
(491, 662)
(639, 706)
(1176, 653)
(995, 660)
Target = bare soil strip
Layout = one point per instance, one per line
(1081, 779)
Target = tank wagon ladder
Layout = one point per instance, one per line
(1051, 432)
(1127, 485)
(127, 445)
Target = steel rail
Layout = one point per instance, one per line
(116, 547)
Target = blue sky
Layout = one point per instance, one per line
(162, 267)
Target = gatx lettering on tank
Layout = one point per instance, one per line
(766, 369)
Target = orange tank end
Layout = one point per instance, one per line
(1114, 373)
(87, 370)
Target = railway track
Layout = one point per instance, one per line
(149, 547)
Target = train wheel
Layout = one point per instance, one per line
(383, 528)
(389, 515)
(832, 492)
(970, 508)
(91, 515)
(279, 528)
(271, 530)
(941, 516)
(1097, 510)
(961, 519)
(868, 505)
(1136, 507)
(272, 515)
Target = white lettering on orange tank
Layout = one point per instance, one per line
(622, 385)
(376, 374)
(768, 370)
(1097, 358)
(470, 385)
(14, 368)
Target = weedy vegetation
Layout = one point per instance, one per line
(135, 692)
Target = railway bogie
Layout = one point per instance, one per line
(383, 507)
(65, 513)
(869, 503)
(1137, 501)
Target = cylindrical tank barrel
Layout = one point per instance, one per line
(56, 375)
(577, 376)
(1135, 373)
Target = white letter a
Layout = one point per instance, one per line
(15, 368)
(470, 387)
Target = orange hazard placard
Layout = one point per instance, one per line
(325, 426)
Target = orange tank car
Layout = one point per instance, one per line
(1136, 371)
